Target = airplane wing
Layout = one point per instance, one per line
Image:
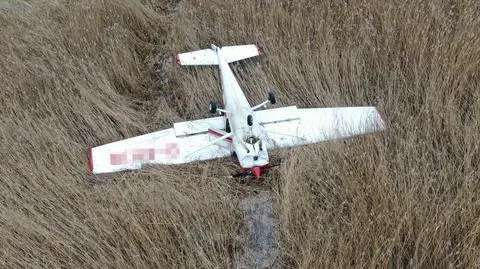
(290, 126)
(185, 142)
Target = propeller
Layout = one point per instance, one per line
(251, 171)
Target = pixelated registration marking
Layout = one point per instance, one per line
(171, 151)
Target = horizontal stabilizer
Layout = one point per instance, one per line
(237, 53)
(198, 57)
(210, 57)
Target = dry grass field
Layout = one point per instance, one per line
(75, 73)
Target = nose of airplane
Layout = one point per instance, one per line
(257, 171)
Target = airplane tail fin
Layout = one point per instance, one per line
(209, 56)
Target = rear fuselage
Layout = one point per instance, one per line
(247, 134)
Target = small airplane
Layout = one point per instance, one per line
(241, 129)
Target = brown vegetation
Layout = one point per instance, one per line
(76, 73)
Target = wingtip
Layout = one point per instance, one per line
(177, 59)
(380, 122)
(259, 49)
(90, 160)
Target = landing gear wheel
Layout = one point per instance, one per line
(227, 126)
(271, 97)
(250, 120)
(213, 107)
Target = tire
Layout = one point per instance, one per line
(213, 107)
(271, 97)
(227, 126)
(250, 120)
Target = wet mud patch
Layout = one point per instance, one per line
(261, 246)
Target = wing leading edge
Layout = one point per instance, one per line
(313, 125)
(169, 146)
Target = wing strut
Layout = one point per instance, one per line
(211, 143)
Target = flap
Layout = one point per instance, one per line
(198, 126)
(276, 114)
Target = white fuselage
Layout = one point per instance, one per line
(247, 144)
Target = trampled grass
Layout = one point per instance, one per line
(76, 73)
